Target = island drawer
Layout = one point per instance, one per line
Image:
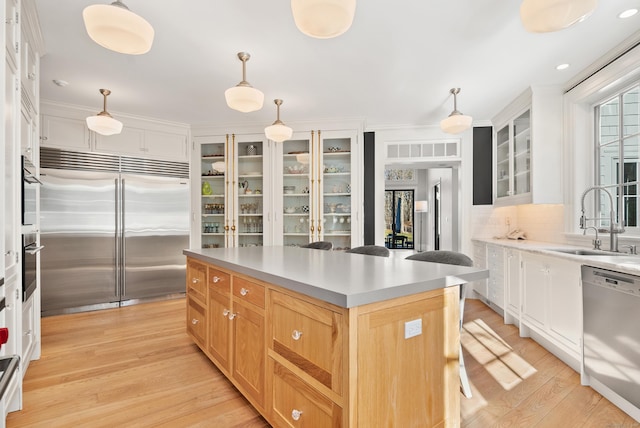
(197, 280)
(196, 322)
(296, 404)
(219, 280)
(309, 337)
(248, 291)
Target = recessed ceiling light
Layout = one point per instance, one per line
(562, 66)
(627, 13)
(61, 83)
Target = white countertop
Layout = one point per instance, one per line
(626, 263)
(344, 279)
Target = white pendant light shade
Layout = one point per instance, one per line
(115, 27)
(103, 123)
(278, 132)
(456, 122)
(323, 19)
(243, 97)
(543, 16)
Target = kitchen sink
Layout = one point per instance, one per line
(580, 252)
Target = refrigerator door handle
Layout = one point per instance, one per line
(117, 237)
(123, 283)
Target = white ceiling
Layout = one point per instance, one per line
(394, 67)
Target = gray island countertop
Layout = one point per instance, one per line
(344, 279)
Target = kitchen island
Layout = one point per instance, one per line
(327, 338)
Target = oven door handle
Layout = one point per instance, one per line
(33, 250)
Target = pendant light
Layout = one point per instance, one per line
(244, 97)
(456, 122)
(116, 28)
(543, 16)
(323, 19)
(103, 123)
(278, 132)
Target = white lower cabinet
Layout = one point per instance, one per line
(512, 287)
(541, 294)
(480, 261)
(495, 285)
(552, 301)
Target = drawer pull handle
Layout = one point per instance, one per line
(195, 321)
(195, 280)
(216, 279)
(225, 312)
(232, 315)
(295, 414)
(296, 335)
(244, 291)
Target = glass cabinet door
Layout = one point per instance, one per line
(249, 211)
(522, 153)
(213, 190)
(296, 192)
(502, 162)
(334, 189)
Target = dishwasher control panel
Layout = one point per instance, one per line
(610, 279)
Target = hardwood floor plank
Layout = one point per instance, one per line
(136, 367)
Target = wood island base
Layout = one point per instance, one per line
(301, 361)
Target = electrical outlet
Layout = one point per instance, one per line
(412, 328)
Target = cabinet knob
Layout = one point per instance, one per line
(195, 321)
(226, 228)
(195, 280)
(232, 315)
(244, 291)
(295, 414)
(225, 312)
(233, 228)
(216, 279)
(296, 334)
(31, 76)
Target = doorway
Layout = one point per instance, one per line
(398, 218)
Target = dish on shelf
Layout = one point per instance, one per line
(333, 169)
(288, 190)
(253, 173)
(290, 210)
(295, 169)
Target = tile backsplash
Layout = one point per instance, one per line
(539, 222)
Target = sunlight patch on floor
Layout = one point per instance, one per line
(498, 358)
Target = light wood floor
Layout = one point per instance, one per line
(135, 366)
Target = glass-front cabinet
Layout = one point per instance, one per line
(232, 191)
(513, 157)
(317, 204)
(255, 192)
(528, 149)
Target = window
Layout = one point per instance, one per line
(617, 140)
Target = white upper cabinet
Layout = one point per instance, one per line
(65, 133)
(144, 143)
(66, 129)
(12, 31)
(528, 149)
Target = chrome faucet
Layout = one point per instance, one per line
(614, 228)
(596, 242)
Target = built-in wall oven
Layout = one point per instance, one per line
(30, 250)
(29, 193)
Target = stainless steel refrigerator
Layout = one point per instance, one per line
(114, 228)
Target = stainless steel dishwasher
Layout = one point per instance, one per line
(611, 330)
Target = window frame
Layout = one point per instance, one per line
(618, 188)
